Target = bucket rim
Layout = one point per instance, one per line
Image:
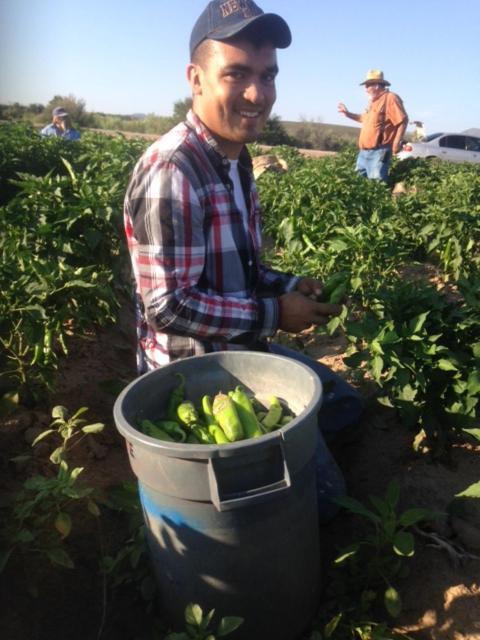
(189, 450)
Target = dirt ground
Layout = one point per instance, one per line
(441, 594)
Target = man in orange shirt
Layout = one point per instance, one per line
(383, 126)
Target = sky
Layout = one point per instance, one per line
(127, 57)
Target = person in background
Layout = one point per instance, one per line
(383, 126)
(192, 222)
(61, 126)
(420, 130)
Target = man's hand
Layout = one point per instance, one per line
(298, 312)
(310, 287)
(342, 108)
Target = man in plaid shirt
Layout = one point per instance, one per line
(192, 215)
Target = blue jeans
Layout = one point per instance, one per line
(374, 163)
(341, 407)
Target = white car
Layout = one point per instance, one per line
(455, 147)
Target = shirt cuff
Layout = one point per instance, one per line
(269, 316)
(292, 285)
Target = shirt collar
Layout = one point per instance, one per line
(212, 146)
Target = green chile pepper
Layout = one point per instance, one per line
(227, 417)
(187, 413)
(202, 434)
(338, 294)
(218, 434)
(207, 410)
(274, 414)
(331, 284)
(244, 407)
(151, 429)
(173, 429)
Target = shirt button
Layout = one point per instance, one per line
(250, 262)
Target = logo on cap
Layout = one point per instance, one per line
(232, 6)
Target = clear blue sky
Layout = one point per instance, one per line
(128, 56)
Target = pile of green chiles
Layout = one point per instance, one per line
(228, 417)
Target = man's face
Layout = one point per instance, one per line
(234, 91)
(374, 89)
(59, 121)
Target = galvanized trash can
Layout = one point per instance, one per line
(232, 527)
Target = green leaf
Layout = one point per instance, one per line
(332, 625)
(385, 401)
(417, 323)
(93, 508)
(412, 516)
(404, 543)
(446, 365)
(60, 412)
(25, 536)
(475, 433)
(9, 402)
(473, 383)
(393, 602)
(57, 456)
(193, 614)
(333, 325)
(407, 393)
(207, 619)
(42, 435)
(75, 473)
(473, 491)
(377, 367)
(356, 283)
(393, 493)
(228, 625)
(63, 524)
(380, 505)
(476, 349)
(356, 507)
(347, 553)
(94, 428)
(60, 557)
(339, 245)
(70, 170)
(419, 440)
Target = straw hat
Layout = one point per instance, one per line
(374, 76)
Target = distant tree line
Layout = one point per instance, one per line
(308, 135)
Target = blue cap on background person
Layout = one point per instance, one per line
(223, 19)
(59, 112)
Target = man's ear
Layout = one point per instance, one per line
(194, 77)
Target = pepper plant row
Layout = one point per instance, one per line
(61, 247)
(418, 340)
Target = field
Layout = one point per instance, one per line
(407, 542)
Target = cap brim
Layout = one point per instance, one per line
(274, 26)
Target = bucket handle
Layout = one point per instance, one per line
(225, 500)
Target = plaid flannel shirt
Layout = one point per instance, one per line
(200, 286)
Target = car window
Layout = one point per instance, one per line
(472, 144)
(453, 142)
(432, 136)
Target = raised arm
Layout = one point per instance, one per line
(353, 116)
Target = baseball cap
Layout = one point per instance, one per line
(223, 19)
(60, 112)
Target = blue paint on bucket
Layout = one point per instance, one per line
(169, 516)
